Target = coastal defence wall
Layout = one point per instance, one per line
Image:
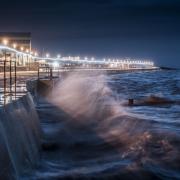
(40, 87)
(20, 138)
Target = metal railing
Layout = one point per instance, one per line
(9, 78)
(45, 71)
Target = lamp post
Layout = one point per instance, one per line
(5, 42)
(28, 60)
(22, 49)
(15, 75)
(10, 80)
(5, 77)
(50, 68)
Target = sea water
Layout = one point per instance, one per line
(90, 132)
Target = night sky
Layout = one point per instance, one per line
(100, 28)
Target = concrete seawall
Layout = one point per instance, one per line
(20, 138)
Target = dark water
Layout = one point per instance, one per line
(89, 132)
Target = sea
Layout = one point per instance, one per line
(91, 131)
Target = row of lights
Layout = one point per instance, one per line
(14, 45)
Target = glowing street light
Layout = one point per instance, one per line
(5, 42)
(14, 45)
(55, 64)
(36, 54)
(58, 56)
(27, 50)
(22, 48)
(47, 55)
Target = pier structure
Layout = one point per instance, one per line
(25, 60)
(121, 64)
(16, 61)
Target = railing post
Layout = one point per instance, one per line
(10, 80)
(51, 73)
(15, 77)
(5, 78)
(38, 70)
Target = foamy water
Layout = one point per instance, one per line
(89, 132)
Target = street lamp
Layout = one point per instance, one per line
(14, 45)
(22, 48)
(36, 54)
(47, 55)
(5, 42)
(55, 64)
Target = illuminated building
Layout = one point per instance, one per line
(20, 39)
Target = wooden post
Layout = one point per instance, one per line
(131, 102)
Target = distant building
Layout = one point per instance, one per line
(21, 39)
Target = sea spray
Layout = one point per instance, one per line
(90, 103)
(85, 96)
(108, 142)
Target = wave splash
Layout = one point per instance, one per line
(100, 126)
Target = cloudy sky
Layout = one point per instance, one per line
(100, 28)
